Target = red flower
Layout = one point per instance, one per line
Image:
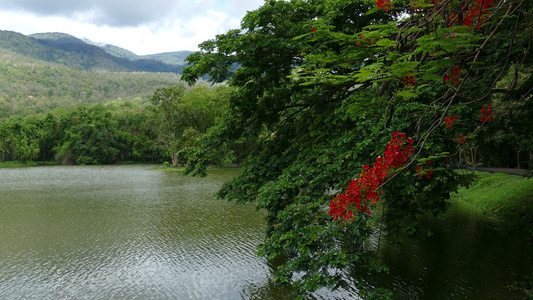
(362, 191)
(453, 76)
(462, 139)
(384, 4)
(476, 13)
(313, 30)
(449, 121)
(408, 80)
(421, 172)
(487, 114)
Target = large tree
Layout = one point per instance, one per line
(181, 115)
(395, 91)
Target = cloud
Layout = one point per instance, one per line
(141, 26)
(115, 13)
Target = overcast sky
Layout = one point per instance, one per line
(141, 26)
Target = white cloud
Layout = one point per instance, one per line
(166, 26)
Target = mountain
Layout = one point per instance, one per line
(75, 53)
(171, 58)
(120, 52)
(47, 71)
(29, 85)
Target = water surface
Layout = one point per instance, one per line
(124, 232)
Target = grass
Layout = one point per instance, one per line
(16, 164)
(507, 197)
(210, 170)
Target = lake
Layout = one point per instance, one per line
(125, 232)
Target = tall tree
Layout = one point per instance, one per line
(183, 115)
(90, 137)
(386, 92)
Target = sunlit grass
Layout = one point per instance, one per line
(16, 164)
(210, 170)
(508, 197)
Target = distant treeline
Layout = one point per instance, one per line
(161, 129)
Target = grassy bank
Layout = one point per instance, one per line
(211, 170)
(16, 164)
(507, 197)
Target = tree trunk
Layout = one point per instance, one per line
(518, 158)
(175, 160)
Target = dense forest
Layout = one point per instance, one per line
(117, 131)
(66, 101)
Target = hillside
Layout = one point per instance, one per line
(120, 52)
(29, 85)
(74, 53)
(171, 58)
(45, 71)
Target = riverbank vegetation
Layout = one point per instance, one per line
(118, 131)
(503, 196)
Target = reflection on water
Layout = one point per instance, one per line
(466, 256)
(126, 233)
(123, 232)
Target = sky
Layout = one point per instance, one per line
(141, 26)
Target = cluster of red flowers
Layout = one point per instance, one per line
(408, 80)
(363, 38)
(384, 4)
(453, 76)
(462, 139)
(363, 190)
(477, 13)
(487, 114)
(449, 121)
(421, 172)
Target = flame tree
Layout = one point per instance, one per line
(351, 105)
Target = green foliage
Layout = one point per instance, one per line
(321, 86)
(19, 139)
(118, 131)
(182, 116)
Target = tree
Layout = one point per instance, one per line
(90, 137)
(19, 139)
(325, 87)
(182, 116)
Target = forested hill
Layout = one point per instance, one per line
(29, 85)
(172, 58)
(74, 53)
(45, 71)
